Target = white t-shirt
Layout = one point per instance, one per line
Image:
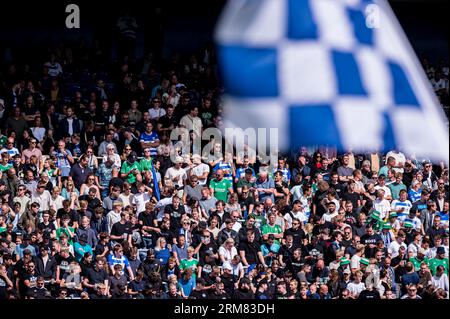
(140, 199)
(155, 113)
(298, 215)
(199, 170)
(172, 172)
(56, 203)
(228, 254)
(328, 217)
(355, 288)
(387, 191)
(394, 248)
(383, 206)
(354, 262)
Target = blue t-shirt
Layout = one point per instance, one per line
(152, 137)
(187, 286)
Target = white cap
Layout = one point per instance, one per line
(227, 265)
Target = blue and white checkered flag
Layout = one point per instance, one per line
(324, 73)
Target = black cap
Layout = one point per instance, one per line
(440, 250)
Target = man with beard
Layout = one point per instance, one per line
(295, 263)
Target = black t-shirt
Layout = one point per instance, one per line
(3, 287)
(96, 276)
(147, 218)
(339, 189)
(287, 252)
(118, 229)
(166, 121)
(168, 234)
(79, 174)
(297, 235)
(369, 294)
(137, 286)
(246, 202)
(318, 196)
(251, 251)
(46, 228)
(175, 215)
(370, 239)
(229, 282)
(352, 197)
(199, 294)
(64, 264)
(73, 214)
(100, 248)
(279, 188)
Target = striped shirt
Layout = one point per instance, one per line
(397, 204)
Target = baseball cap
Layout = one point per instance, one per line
(440, 250)
(422, 251)
(392, 215)
(227, 265)
(347, 271)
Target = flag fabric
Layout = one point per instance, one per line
(318, 71)
(157, 192)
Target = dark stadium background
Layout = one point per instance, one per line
(28, 27)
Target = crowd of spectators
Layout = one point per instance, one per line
(98, 201)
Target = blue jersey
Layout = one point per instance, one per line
(227, 170)
(152, 137)
(113, 260)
